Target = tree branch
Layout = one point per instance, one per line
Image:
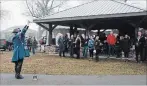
(30, 10)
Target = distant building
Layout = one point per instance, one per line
(7, 34)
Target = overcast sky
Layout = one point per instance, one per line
(16, 8)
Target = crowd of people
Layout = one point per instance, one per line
(111, 45)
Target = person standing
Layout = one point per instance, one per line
(105, 47)
(27, 51)
(142, 42)
(126, 46)
(139, 46)
(29, 43)
(66, 43)
(91, 46)
(85, 49)
(78, 46)
(19, 50)
(111, 40)
(42, 44)
(61, 46)
(118, 47)
(71, 43)
(97, 47)
(34, 45)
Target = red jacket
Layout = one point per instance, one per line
(111, 39)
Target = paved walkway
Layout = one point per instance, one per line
(8, 79)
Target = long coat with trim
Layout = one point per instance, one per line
(61, 44)
(19, 41)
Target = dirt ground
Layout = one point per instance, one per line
(51, 64)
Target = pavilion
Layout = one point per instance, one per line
(96, 15)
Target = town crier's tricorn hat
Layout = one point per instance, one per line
(16, 30)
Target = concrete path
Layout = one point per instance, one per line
(8, 79)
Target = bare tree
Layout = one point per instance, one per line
(42, 8)
(3, 13)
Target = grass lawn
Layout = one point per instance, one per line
(49, 64)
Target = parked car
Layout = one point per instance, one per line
(3, 44)
(9, 46)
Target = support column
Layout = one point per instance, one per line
(51, 28)
(98, 33)
(50, 34)
(136, 31)
(136, 28)
(87, 32)
(71, 31)
(50, 37)
(75, 31)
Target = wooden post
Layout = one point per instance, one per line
(51, 28)
(87, 32)
(98, 33)
(75, 31)
(71, 31)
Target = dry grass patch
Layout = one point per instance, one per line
(49, 64)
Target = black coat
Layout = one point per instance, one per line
(142, 42)
(139, 44)
(126, 45)
(66, 43)
(97, 44)
(121, 44)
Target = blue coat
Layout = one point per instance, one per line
(91, 44)
(18, 42)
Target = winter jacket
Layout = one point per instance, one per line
(91, 44)
(111, 39)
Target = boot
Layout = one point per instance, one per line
(18, 76)
(18, 70)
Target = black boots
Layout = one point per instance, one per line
(17, 71)
(18, 76)
(18, 66)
